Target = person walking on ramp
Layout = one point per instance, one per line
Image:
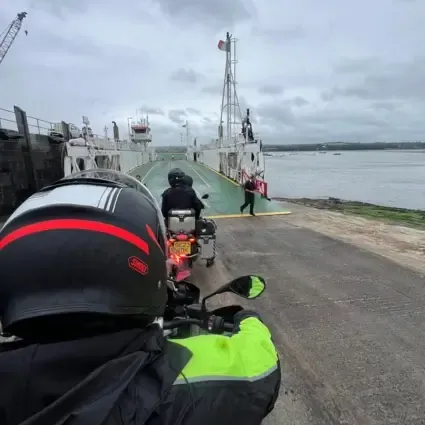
(249, 188)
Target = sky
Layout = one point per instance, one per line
(311, 71)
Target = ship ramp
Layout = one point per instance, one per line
(348, 324)
(225, 195)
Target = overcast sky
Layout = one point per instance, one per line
(311, 70)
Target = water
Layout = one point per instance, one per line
(391, 178)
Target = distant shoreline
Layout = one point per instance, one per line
(318, 147)
(392, 215)
(332, 147)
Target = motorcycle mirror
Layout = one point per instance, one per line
(206, 196)
(249, 286)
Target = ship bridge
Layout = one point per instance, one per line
(225, 195)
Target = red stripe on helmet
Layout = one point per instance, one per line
(73, 224)
(153, 237)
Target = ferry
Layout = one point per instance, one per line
(237, 153)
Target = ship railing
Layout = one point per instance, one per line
(36, 125)
(238, 139)
(42, 126)
(7, 119)
(110, 144)
(127, 145)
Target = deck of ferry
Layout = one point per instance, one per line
(349, 324)
(225, 196)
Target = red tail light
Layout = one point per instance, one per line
(192, 240)
(175, 258)
(182, 237)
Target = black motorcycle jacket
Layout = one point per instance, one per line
(180, 198)
(136, 377)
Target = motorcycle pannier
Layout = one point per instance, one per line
(182, 221)
(206, 238)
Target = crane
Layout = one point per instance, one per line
(11, 32)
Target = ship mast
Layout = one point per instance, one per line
(229, 100)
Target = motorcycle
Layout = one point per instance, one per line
(186, 316)
(183, 251)
(183, 244)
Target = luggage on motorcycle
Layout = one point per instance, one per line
(205, 229)
(205, 226)
(182, 221)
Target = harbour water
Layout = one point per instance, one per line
(392, 177)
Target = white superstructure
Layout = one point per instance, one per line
(140, 132)
(123, 155)
(237, 153)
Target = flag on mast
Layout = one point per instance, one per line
(184, 125)
(224, 46)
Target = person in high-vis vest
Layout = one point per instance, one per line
(83, 287)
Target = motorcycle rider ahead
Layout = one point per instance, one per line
(83, 283)
(188, 181)
(180, 196)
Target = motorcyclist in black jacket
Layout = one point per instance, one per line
(179, 195)
(88, 307)
(188, 181)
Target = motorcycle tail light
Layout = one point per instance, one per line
(175, 258)
(182, 237)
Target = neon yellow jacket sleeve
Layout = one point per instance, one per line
(248, 355)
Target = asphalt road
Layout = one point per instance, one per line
(349, 324)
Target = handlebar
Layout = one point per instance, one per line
(214, 324)
(183, 309)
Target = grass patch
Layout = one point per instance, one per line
(411, 218)
(400, 216)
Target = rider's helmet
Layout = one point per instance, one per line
(188, 181)
(175, 177)
(92, 246)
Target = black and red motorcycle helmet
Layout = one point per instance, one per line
(93, 242)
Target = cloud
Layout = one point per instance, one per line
(307, 70)
(298, 101)
(213, 89)
(385, 81)
(193, 111)
(186, 76)
(152, 111)
(177, 116)
(284, 34)
(386, 106)
(271, 89)
(219, 13)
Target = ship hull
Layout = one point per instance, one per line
(121, 156)
(26, 169)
